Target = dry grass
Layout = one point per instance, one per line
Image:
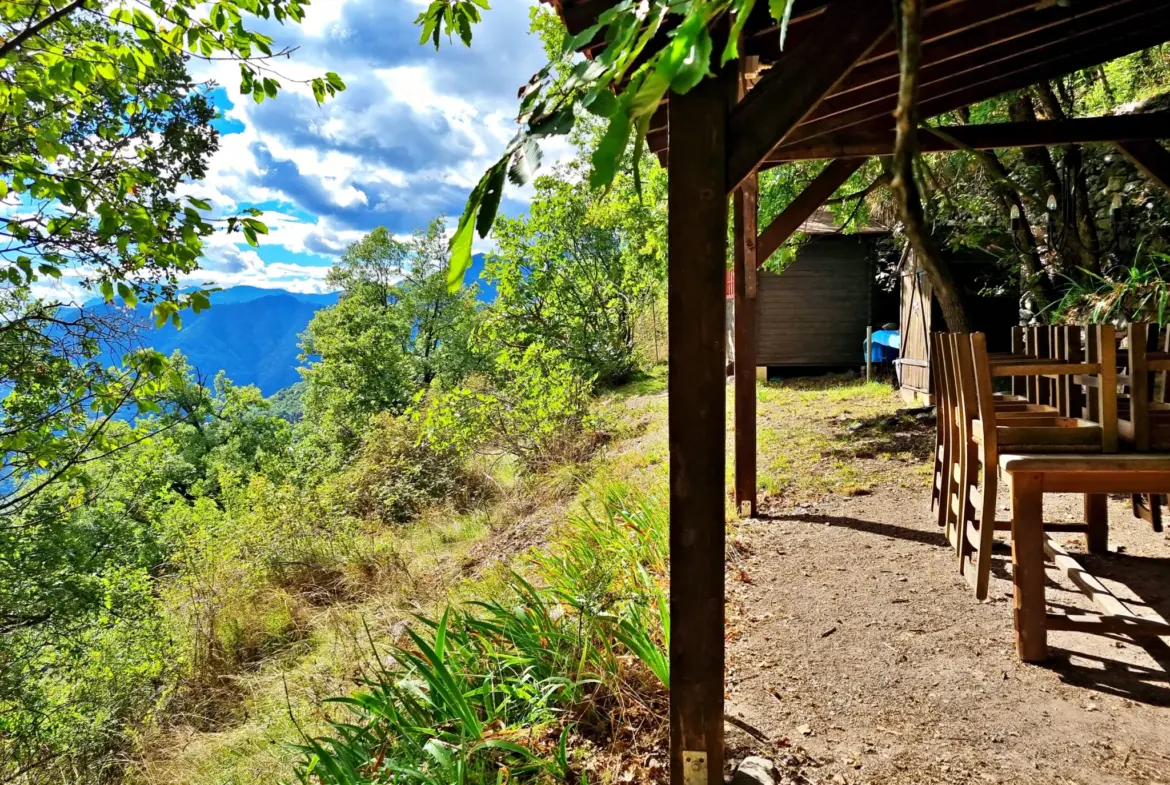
(816, 438)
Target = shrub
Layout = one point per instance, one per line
(493, 691)
(535, 408)
(399, 470)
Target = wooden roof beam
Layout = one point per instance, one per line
(803, 206)
(1149, 156)
(1014, 70)
(997, 43)
(786, 95)
(991, 136)
(1001, 29)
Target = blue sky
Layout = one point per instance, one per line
(404, 143)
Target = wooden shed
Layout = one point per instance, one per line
(920, 314)
(815, 312)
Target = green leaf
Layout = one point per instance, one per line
(608, 155)
(601, 102)
(781, 11)
(334, 80)
(686, 61)
(460, 246)
(127, 294)
(742, 9)
(493, 192)
(525, 162)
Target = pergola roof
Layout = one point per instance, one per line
(972, 50)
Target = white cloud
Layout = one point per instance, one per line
(410, 137)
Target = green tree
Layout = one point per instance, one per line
(396, 329)
(577, 272)
(100, 124)
(441, 320)
(357, 366)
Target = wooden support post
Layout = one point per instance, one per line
(697, 240)
(803, 206)
(868, 354)
(1028, 566)
(1097, 520)
(1151, 157)
(746, 201)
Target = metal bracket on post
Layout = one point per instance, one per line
(694, 767)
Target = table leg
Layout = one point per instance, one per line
(1097, 519)
(1028, 566)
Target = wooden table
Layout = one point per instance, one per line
(1030, 477)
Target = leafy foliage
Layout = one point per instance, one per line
(396, 329)
(560, 94)
(86, 650)
(577, 272)
(493, 692)
(102, 126)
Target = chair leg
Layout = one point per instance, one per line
(1148, 507)
(945, 484)
(977, 567)
(936, 489)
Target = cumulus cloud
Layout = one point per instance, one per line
(404, 143)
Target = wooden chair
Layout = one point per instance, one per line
(944, 497)
(956, 465)
(1143, 421)
(991, 432)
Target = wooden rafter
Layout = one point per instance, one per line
(991, 136)
(785, 96)
(980, 46)
(979, 49)
(1151, 157)
(991, 72)
(803, 206)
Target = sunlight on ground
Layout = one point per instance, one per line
(831, 435)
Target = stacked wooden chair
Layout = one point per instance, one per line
(1143, 411)
(1064, 400)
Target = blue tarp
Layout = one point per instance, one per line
(886, 346)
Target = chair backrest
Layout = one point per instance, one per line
(976, 366)
(1135, 422)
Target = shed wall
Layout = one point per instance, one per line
(815, 312)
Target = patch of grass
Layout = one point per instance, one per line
(506, 690)
(817, 437)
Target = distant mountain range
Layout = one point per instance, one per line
(252, 333)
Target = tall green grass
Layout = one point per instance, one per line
(502, 690)
(1135, 293)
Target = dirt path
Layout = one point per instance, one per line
(856, 639)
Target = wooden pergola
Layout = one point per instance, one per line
(831, 95)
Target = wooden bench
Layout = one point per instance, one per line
(1029, 477)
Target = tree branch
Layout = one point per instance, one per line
(14, 43)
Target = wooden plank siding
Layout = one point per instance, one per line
(815, 312)
(914, 328)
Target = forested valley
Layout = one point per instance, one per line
(287, 579)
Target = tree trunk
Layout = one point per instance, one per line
(1054, 103)
(903, 184)
(1066, 240)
